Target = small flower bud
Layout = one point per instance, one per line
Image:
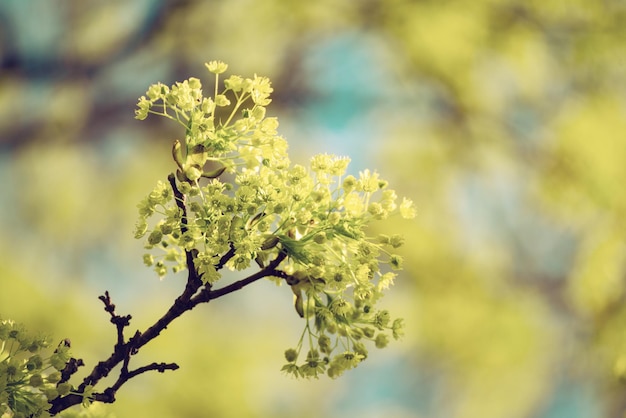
(291, 355)
(34, 362)
(194, 83)
(356, 333)
(185, 188)
(64, 388)
(324, 343)
(193, 173)
(51, 393)
(383, 239)
(155, 237)
(221, 100)
(319, 238)
(166, 229)
(279, 208)
(375, 209)
(349, 183)
(54, 377)
(381, 340)
(36, 380)
(396, 241)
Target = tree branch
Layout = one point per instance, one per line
(193, 280)
(270, 270)
(186, 301)
(120, 321)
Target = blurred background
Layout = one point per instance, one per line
(504, 120)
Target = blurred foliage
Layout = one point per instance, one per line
(502, 119)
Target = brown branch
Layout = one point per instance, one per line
(71, 366)
(227, 256)
(120, 321)
(268, 271)
(193, 280)
(186, 301)
(124, 350)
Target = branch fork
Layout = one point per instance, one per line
(194, 293)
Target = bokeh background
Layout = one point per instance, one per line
(504, 120)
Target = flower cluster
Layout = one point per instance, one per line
(29, 379)
(243, 202)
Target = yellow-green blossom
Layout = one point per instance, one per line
(216, 67)
(28, 376)
(236, 201)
